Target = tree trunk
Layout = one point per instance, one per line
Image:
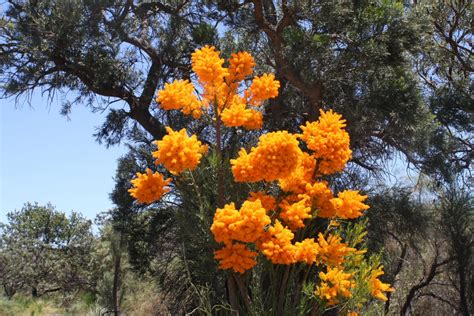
(462, 289)
(117, 272)
(9, 291)
(34, 292)
(232, 295)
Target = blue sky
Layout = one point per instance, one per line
(46, 158)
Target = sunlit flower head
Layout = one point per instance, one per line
(240, 66)
(321, 196)
(245, 225)
(149, 187)
(178, 152)
(293, 213)
(276, 245)
(238, 115)
(307, 251)
(302, 175)
(268, 201)
(349, 204)
(263, 88)
(237, 257)
(335, 284)
(332, 251)
(179, 95)
(208, 65)
(329, 141)
(275, 157)
(377, 287)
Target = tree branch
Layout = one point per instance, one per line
(313, 91)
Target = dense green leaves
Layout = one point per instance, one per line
(53, 249)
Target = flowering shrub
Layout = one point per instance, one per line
(297, 220)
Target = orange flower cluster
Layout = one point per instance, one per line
(238, 115)
(293, 214)
(302, 175)
(276, 243)
(236, 257)
(329, 142)
(263, 88)
(245, 225)
(208, 66)
(278, 156)
(377, 287)
(179, 95)
(277, 246)
(332, 251)
(307, 251)
(275, 157)
(334, 284)
(178, 152)
(240, 66)
(149, 187)
(321, 195)
(263, 222)
(348, 204)
(220, 87)
(268, 201)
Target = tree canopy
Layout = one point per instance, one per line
(43, 250)
(400, 75)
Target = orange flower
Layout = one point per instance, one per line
(275, 157)
(263, 88)
(223, 218)
(236, 257)
(294, 213)
(149, 187)
(332, 251)
(307, 251)
(334, 284)
(276, 245)
(243, 168)
(322, 195)
(377, 288)
(237, 115)
(246, 225)
(179, 95)
(348, 204)
(268, 201)
(208, 65)
(178, 152)
(302, 175)
(329, 142)
(240, 66)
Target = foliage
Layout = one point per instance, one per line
(53, 248)
(391, 70)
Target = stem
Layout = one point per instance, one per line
(202, 207)
(117, 276)
(299, 287)
(232, 294)
(220, 174)
(281, 295)
(243, 292)
(231, 281)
